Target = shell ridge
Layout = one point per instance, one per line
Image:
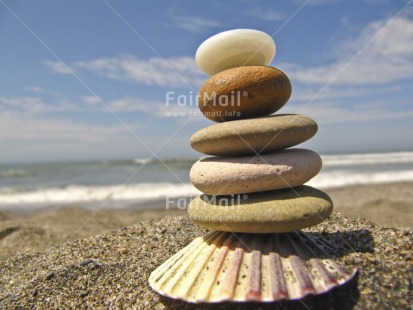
(164, 273)
(231, 276)
(216, 265)
(157, 274)
(193, 273)
(278, 285)
(304, 283)
(254, 283)
(278, 281)
(175, 274)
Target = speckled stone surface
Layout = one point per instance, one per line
(112, 270)
(244, 92)
(253, 136)
(278, 211)
(249, 174)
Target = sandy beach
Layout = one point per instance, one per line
(111, 270)
(390, 205)
(80, 258)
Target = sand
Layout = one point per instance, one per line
(48, 261)
(390, 205)
(28, 233)
(111, 270)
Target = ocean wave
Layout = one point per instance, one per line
(142, 161)
(77, 194)
(367, 159)
(148, 161)
(346, 178)
(10, 173)
(144, 192)
(86, 183)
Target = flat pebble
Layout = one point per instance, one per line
(247, 174)
(253, 136)
(266, 212)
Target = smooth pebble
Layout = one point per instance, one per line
(254, 136)
(276, 211)
(247, 174)
(235, 48)
(244, 92)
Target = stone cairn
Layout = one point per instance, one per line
(252, 152)
(254, 199)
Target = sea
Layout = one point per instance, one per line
(138, 183)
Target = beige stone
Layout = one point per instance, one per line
(247, 174)
(275, 211)
(244, 92)
(253, 136)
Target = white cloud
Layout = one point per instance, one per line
(311, 93)
(32, 138)
(58, 67)
(134, 105)
(34, 89)
(22, 126)
(394, 39)
(194, 24)
(155, 109)
(330, 112)
(382, 53)
(33, 105)
(170, 72)
(267, 14)
(91, 100)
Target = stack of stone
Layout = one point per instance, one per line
(254, 181)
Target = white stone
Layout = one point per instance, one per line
(235, 48)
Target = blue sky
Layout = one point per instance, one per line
(88, 79)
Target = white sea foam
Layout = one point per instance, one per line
(142, 161)
(84, 194)
(151, 191)
(339, 178)
(366, 159)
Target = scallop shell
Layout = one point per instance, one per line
(223, 266)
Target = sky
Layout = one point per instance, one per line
(83, 80)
